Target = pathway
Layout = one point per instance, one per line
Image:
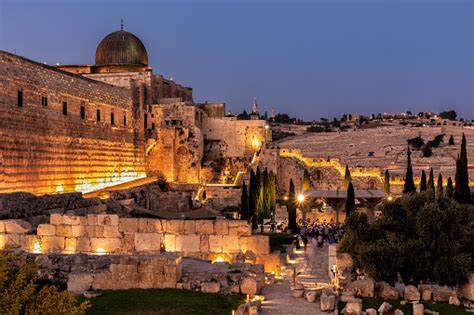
(312, 271)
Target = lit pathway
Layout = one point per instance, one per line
(312, 269)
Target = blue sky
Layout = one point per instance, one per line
(310, 59)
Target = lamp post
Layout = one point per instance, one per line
(300, 199)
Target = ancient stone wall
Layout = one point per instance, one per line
(239, 137)
(109, 234)
(50, 135)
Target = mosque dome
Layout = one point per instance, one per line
(121, 48)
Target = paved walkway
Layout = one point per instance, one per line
(312, 271)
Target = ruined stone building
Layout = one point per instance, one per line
(85, 127)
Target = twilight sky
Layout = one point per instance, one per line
(310, 59)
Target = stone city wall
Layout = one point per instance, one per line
(45, 150)
(108, 234)
(239, 137)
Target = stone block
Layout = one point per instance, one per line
(158, 225)
(46, 230)
(190, 227)
(354, 307)
(258, 244)
(418, 309)
(64, 230)
(205, 227)
(170, 242)
(17, 226)
(188, 243)
(204, 243)
(371, 311)
(95, 231)
(271, 263)
(111, 231)
(70, 245)
(453, 300)
(106, 245)
(426, 292)
(147, 242)
(145, 226)
(398, 312)
(221, 227)
(388, 292)
(2, 227)
(56, 218)
(327, 303)
(310, 296)
(52, 243)
(78, 283)
(249, 286)
(175, 226)
(91, 219)
(128, 225)
(107, 219)
(411, 293)
(73, 220)
(210, 287)
(230, 244)
(467, 290)
(215, 243)
(384, 308)
(78, 230)
(361, 288)
(83, 245)
(128, 243)
(239, 227)
(442, 294)
(8, 241)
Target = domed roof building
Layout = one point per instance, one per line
(121, 48)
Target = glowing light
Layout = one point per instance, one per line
(37, 247)
(220, 258)
(300, 198)
(266, 127)
(255, 143)
(285, 198)
(389, 198)
(100, 251)
(59, 189)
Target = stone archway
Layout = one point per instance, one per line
(182, 164)
(372, 184)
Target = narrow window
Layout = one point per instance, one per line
(112, 118)
(83, 112)
(65, 108)
(146, 121)
(125, 120)
(44, 101)
(153, 126)
(98, 115)
(20, 99)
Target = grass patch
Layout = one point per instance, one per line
(162, 301)
(442, 308)
(277, 240)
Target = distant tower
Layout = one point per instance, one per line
(273, 114)
(255, 106)
(254, 115)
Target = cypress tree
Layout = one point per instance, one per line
(439, 187)
(386, 183)
(258, 198)
(272, 192)
(409, 186)
(350, 201)
(307, 184)
(291, 207)
(423, 181)
(462, 193)
(266, 195)
(252, 196)
(449, 188)
(244, 203)
(347, 178)
(451, 140)
(431, 185)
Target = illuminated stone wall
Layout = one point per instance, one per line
(237, 137)
(44, 151)
(109, 234)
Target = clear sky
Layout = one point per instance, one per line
(310, 59)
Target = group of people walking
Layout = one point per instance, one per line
(318, 233)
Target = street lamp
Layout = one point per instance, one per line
(300, 199)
